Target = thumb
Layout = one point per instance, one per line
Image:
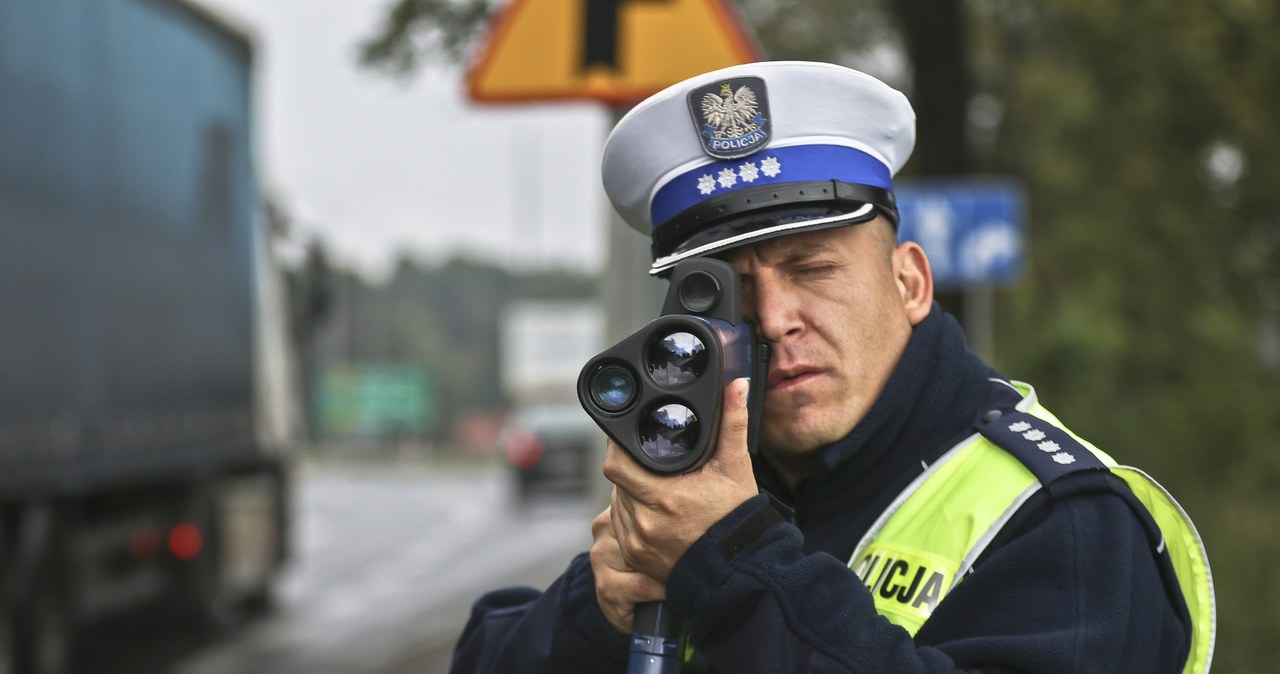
(731, 448)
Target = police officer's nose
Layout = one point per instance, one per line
(775, 312)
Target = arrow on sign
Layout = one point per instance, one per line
(600, 33)
(616, 51)
(974, 230)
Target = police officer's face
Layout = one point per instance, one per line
(837, 307)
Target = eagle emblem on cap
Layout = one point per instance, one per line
(731, 116)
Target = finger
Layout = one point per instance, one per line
(610, 459)
(605, 555)
(731, 456)
(626, 511)
(617, 594)
(600, 525)
(616, 463)
(617, 528)
(625, 472)
(633, 543)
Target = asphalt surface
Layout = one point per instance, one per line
(388, 558)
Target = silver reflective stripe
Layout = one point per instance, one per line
(893, 507)
(981, 545)
(1204, 555)
(1028, 401)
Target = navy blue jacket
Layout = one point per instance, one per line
(1072, 584)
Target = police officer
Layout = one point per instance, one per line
(910, 509)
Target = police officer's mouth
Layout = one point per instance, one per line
(783, 378)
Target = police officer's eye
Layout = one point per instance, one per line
(814, 270)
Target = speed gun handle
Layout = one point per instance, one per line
(655, 640)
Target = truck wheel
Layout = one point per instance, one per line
(43, 631)
(51, 644)
(41, 640)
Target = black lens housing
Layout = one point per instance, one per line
(680, 364)
(612, 386)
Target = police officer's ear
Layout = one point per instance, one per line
(915, 280)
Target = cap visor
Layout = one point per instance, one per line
(737, 232)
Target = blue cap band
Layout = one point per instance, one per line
(799, 163)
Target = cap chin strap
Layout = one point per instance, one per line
(665, 263)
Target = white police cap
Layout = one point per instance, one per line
(756, 151)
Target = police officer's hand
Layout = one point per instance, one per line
(657, 517)
(618, 587)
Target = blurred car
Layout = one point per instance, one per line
(553, 448)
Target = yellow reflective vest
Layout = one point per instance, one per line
(929, 537)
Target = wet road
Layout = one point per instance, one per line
(388, 559)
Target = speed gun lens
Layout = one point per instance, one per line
(669, 433)
(677, 359)
(613, 387)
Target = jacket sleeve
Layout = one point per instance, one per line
(559, 631)
(1076, 588)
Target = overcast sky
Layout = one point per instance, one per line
(379, 167)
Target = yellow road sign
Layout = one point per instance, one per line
(617, 51)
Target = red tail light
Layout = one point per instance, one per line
(185, 541)
(524, 450)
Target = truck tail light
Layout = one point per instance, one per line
(185, 540)
(524, 450)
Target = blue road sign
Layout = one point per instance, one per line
(973, 229)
